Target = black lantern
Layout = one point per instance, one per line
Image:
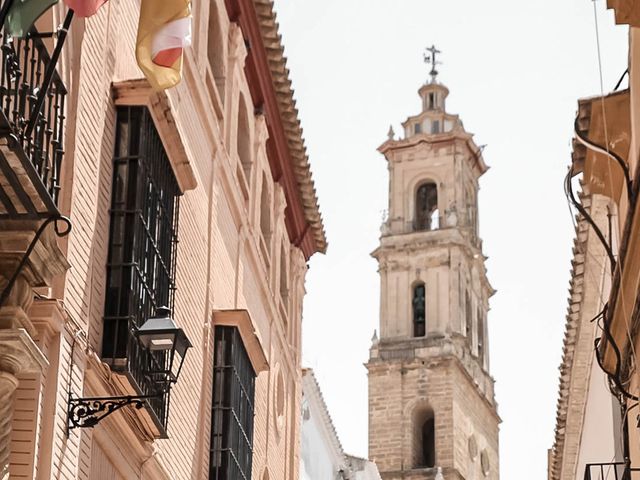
(161, 339)
(159, 334)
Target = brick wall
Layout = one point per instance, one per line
(220, 262)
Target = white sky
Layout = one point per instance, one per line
(515, 70)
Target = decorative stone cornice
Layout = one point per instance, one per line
(571, 344)
(18, 352)
(410, 353)
(45, 261)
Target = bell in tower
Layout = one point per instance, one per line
(431, 399)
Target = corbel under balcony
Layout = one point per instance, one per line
(18, 353)
(44, 262)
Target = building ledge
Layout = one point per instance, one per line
(19, 353)
(139, 92)
(252, 342)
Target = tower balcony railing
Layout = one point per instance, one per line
(402, 227)
(32, 120)
(611, 471)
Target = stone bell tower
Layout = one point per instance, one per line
(432, 413)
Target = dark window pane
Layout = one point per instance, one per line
(232, 409)
(419, 310)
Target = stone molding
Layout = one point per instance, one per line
(19, 353)
(414, 352)
(250, 336)
(138, 92)
(45, 261)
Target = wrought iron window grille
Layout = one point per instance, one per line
(231, 453)
(141, 262)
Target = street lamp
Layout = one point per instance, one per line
(158, 334)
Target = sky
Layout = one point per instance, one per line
(515, 71)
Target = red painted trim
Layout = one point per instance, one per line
(263, 95)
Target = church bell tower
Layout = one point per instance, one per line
(432, 412)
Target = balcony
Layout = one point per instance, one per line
(32, 118)
(611, 471)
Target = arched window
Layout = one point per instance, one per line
(216, 47)
(472, 211)
(480, 320)
(424, 451)
(284, 277)
(243, 139)
(468, 316)
(419, 310)
(265, 211)
(426, 207)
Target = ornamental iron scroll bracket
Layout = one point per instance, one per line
(89, 411)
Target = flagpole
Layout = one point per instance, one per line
(48, 75)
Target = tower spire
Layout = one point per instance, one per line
(430, 58)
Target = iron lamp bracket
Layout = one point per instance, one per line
(89, 411)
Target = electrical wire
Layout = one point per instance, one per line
(626, 72)
(591, 145)
(587, 217)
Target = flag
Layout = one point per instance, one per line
(23, 13)
(164, 30)
(168, 42)
(84, 8)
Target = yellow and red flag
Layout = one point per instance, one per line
(84, 8)
(164, 30)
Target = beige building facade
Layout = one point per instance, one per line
(432, 412)
(596, 434)
(199, 199)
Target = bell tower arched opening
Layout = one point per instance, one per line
(419, 310)
(424, 439)
(426, 207)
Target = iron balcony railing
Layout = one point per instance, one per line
(32, 119)
(611, 471)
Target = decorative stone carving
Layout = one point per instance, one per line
(45, 262)
(473, 447)
(484, 463)
(18, 354)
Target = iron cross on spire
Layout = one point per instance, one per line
(430, 57)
